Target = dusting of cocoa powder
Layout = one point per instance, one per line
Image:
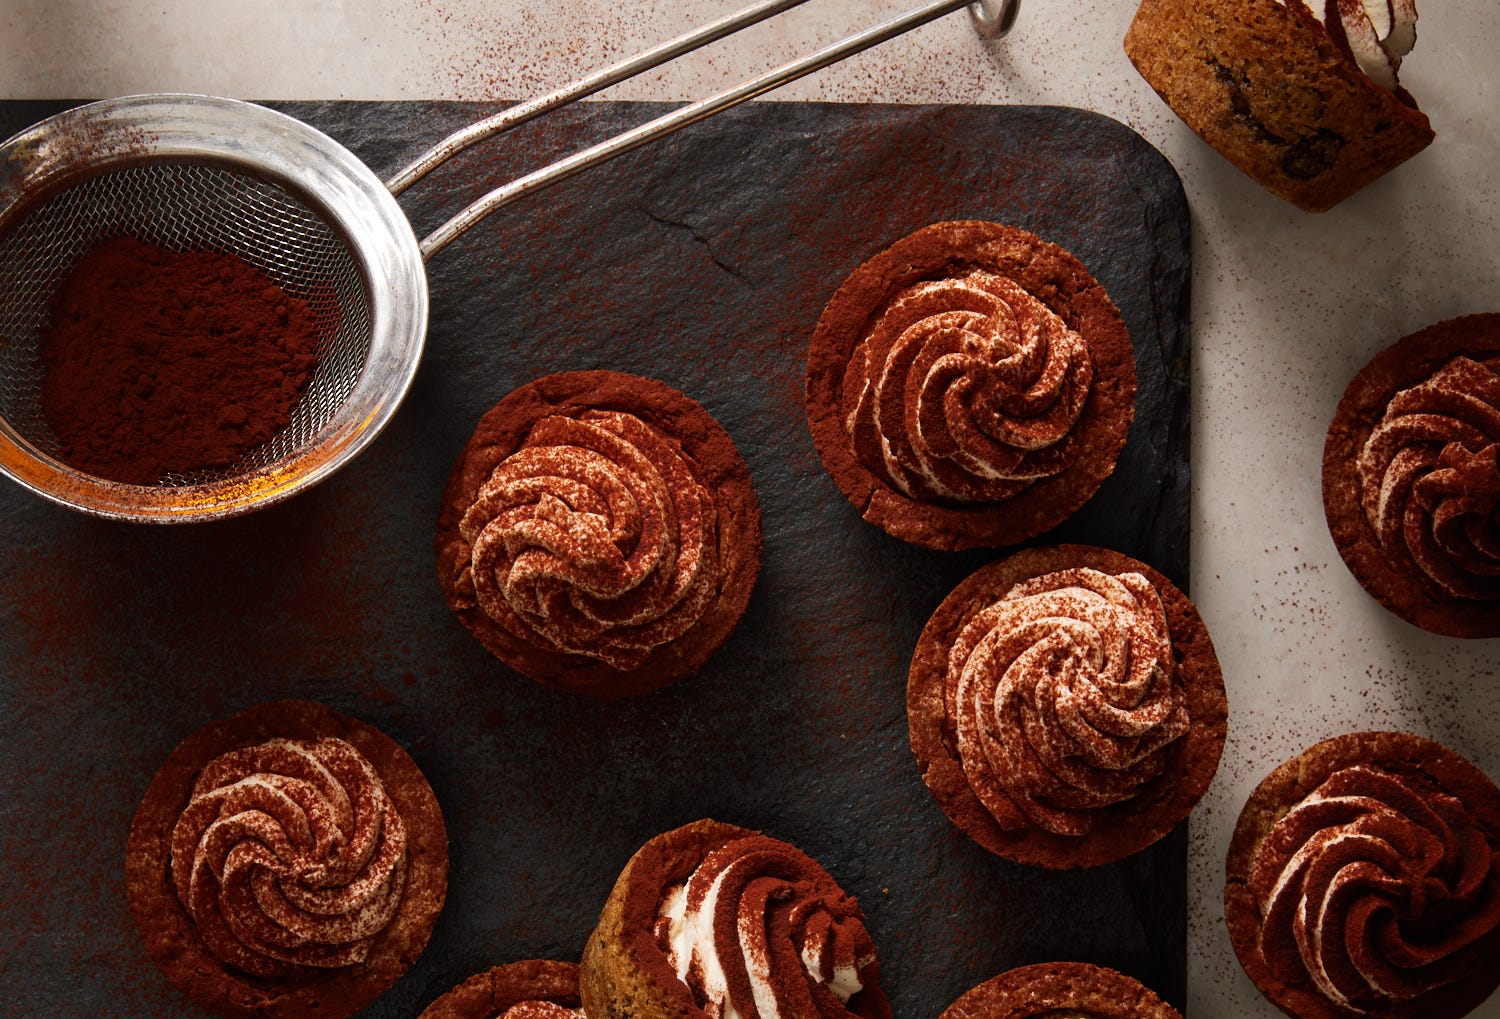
(159, 362)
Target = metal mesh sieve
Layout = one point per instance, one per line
(197, 173)
(203, 173)
(185, 207)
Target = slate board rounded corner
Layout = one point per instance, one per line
(137, 633)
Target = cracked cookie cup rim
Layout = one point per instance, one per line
(489, 993)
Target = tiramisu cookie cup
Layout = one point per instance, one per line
(600, 533)
(1364, 881)
(1299, 94)
(1066, 706)
(532, 989)
(970, 386)
(287, 862)
(1411, 477)
(1061, 990)
(709, 920)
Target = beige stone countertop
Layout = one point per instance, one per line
(1286, 305)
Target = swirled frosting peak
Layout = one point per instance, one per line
(966, 390)
(760, 931)
(1064, 698)
(1375, 889)
(1430, 480)
(289, 853)
(595, 538)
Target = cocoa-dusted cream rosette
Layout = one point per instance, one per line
(971, 385)
(1066, 706)
(1364, 881)
(600, 532)
(1060, 990)
(530, 989)
(1411, 477)
(713, 921)
(288, 862)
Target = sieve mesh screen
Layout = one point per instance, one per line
(184, 206)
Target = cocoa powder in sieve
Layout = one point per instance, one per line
(160, 362)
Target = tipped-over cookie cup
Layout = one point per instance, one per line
(600, 533)
(1060, 990)
(1363, 879)
(1267, 87)
(709, 881)
(971, 385)
(529, 989)
(1411, 477)
(281, 822)
(1065, 706)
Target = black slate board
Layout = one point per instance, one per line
(702, 261)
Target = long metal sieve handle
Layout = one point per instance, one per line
(585, 86)
(992, 18)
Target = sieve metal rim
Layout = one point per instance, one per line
(112, 134)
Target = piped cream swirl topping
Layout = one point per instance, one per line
(1064, 698)
(760, 931)
(966, 390)
(1430, 480)
(1375, 890)
(595, 538)
(289, 853)
(1375, 33)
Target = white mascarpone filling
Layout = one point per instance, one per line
(1379, 33)
(690, 938)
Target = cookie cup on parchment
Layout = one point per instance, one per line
(1363, 880)
(1411, 477)
(530, 989)
(1266, 86)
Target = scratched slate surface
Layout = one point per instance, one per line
(702, 261)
